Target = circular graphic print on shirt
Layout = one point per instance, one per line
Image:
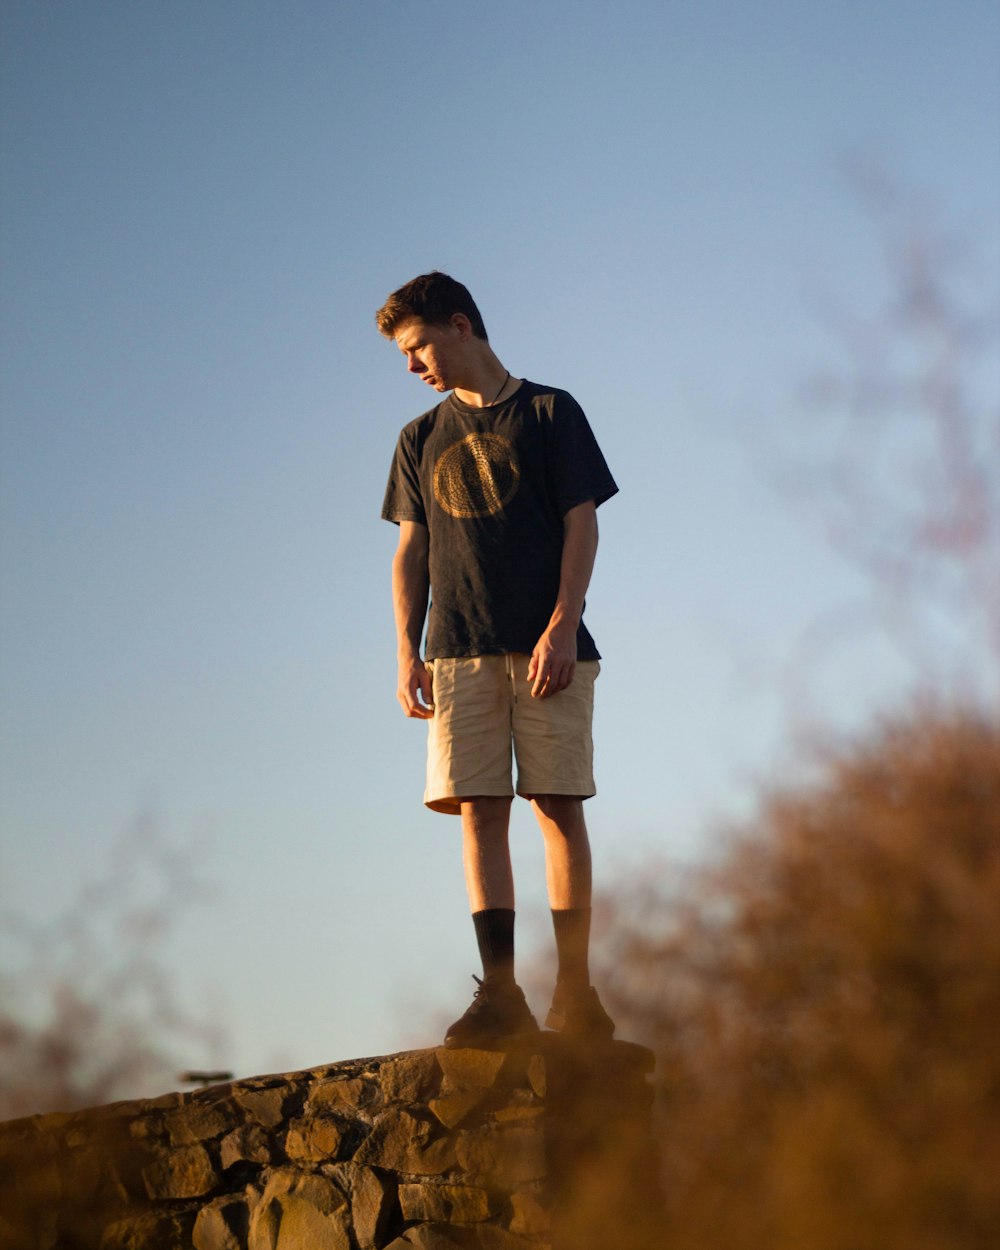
(477, 476)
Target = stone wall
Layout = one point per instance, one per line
(546, 1146)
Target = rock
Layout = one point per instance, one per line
(149, 1230)
(187, 1125)
(248, 1144)
(411, 1078)
(428, 1237)
(475, 1150)
(403, 1142)
(145, 1129)
(470, 1069)
(303, 1227)
(87, 1165)
(314, 1139)
(503, 1158)
(154, 1104)
(452, 1109)
(493, 1238)
(266, 1106)
(537, 1075)
(530, 1218)
(518, 1110)
(319, 1190)
(350, 1095)
(264, 1223)
(183, 1173)
(222, 1225)
(299, 1211)
(452, 1204)
(372, 1201)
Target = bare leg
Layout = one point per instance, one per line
(489, 878)
(499, 1009)
(567, 850)
(576, 1008)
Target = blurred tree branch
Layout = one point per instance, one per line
(901, 455)
(89, 1009)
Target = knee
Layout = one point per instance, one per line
(558, 806)
(485, 819)
(560, 816)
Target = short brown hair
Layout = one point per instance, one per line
(433, 297)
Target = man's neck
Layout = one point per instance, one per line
(486, 384)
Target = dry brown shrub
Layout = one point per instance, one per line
(825, 1007)
(90, 1010)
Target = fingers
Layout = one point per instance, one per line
(540, 682)
(540, 674)
(551, 677)
(413, 708)
(416, 694)
(562, 679)
(426, 690)
(553, 662)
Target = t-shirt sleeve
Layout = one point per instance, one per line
(576, 468)
(403, 498)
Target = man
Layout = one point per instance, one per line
(495, 491)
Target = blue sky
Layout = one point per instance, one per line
(203, 205)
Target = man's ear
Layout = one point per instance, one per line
(463, 325)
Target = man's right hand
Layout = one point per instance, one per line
(415, 693)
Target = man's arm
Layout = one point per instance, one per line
(410, 591)
(553, 661)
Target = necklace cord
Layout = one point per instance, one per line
(500, 391)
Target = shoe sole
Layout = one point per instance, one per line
(557, 1023)
(504, 1041)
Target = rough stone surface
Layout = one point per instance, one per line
(349, 1095)
(148, 1229)
(470, 1069)
(404, 1142)
(410, 1079)
(428, 1150)
(247, 1144)
(531, 1216)
(518, 1110)
(300, 1211)
(266, 1106)
(451, 1109)
(536, 1076)
(504, 1157)
(427, 1237)
(189, 1125)
(451, 1204)
(372, 1198)
(222, 1225)
(303, 1227)
(314, 1138)
(493, 1238)
(186, 1172)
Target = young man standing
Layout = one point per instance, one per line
(495, 491)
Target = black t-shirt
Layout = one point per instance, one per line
(492, 485)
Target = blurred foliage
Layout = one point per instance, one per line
(89, 1009)
(824, 1002)
(896, 449)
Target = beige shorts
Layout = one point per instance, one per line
(484, 716)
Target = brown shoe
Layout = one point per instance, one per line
(578, 1012)
(498, 1013)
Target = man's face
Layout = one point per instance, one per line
(434, 353)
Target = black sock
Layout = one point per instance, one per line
(572, 926)
(495, 935)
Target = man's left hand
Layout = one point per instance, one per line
(553, 662)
